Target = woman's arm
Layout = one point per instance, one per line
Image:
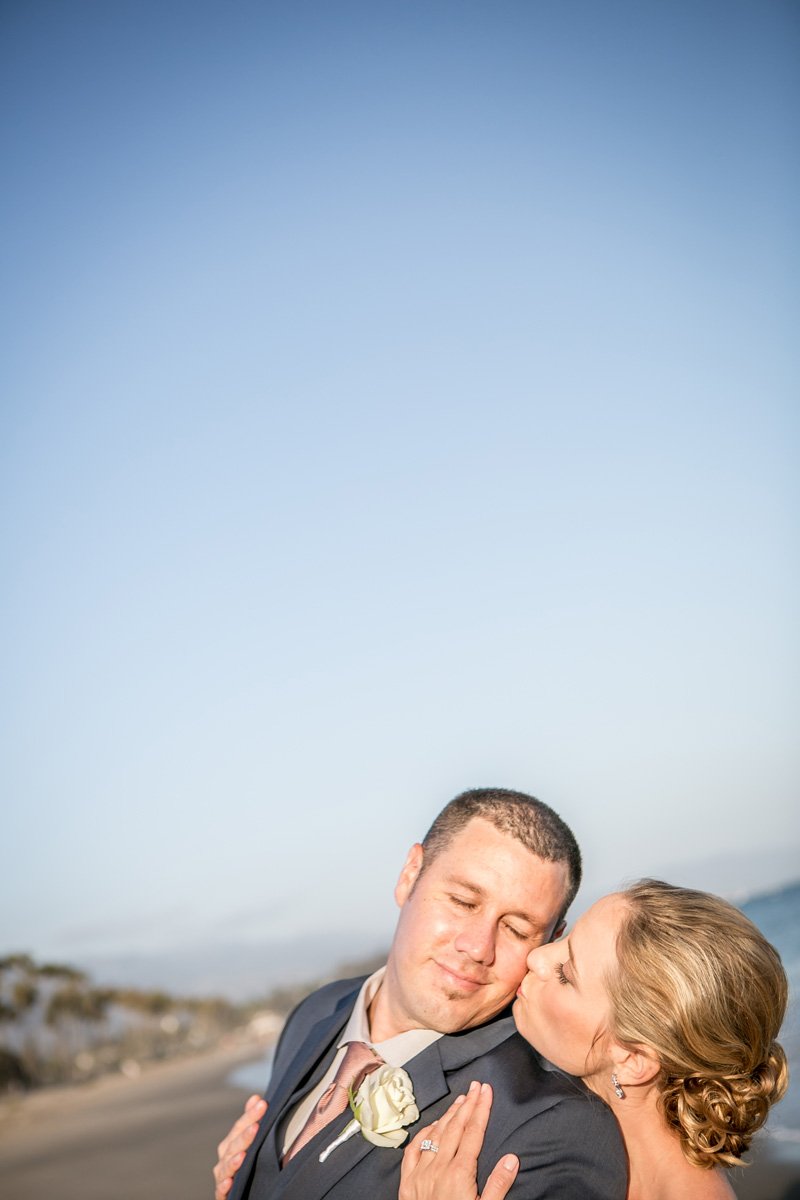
(450, 1171)
(233, 1147)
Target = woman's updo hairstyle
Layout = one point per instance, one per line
(699, 984)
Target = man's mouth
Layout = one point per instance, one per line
(457, 979)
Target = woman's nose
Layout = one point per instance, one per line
(538, 962)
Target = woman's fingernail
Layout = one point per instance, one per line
(473, 1087)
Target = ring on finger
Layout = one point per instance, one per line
(427, 1144)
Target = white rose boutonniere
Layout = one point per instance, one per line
(382, 1106)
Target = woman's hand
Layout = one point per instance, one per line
(232, 1149)
(451, 1173)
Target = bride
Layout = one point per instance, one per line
(667, 1003)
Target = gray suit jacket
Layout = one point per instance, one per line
(567, 1140)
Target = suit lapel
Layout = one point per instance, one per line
(308, 1065)
(303, 1073)
(430, 1068)
(459, 1049)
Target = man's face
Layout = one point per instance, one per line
(465, 931)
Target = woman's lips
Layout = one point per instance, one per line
(519, 989)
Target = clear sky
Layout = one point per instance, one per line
(396, 398)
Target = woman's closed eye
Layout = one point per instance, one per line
(561, 975)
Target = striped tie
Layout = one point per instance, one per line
(358, 1062)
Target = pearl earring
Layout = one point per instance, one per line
(617, 1087)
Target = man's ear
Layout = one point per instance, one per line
(409, 874)
(557, 932)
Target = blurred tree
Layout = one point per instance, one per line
(24, 995)
(22, 962)
(60, 971)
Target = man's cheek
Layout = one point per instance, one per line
(513, 969)
(441, 928)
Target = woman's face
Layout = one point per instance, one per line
(562, 1003)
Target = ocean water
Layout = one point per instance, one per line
(777, 915)
(252, 1076)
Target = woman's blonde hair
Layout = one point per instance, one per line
(700, 985)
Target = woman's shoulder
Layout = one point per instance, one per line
(710, 1185)
(661, 1171)
(691, 1183)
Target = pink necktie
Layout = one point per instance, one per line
(358, 1062)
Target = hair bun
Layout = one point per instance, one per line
(771, 1077)
(717, 1116)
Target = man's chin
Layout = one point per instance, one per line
(455, 1017)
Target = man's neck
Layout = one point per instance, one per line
(380, 1018)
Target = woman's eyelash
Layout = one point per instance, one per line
(560, 976)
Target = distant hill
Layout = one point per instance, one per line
(239, 971)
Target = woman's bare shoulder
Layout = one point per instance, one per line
(691, 1183)
(702, 1185)
(723, 1191)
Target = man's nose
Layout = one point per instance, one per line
(477, 940)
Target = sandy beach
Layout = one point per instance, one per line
(155, 1137)
(146, 1138)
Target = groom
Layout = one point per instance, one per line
(492, 879)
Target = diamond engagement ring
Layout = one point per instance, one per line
(427, 1144)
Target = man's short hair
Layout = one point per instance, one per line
(523, 817)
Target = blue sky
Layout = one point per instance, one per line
(397, 398)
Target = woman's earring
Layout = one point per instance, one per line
(617, 1087)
